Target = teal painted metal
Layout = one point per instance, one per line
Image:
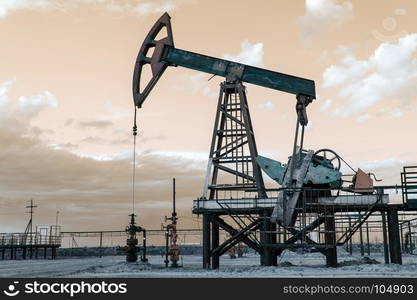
(323, 173)
(318, 174)
(274, 169)
(266, 78)
(412, 203)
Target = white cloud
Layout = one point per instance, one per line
(326, 105)
(388, 170)
(323, 15)
(249, 54)
(397, 113)
(10, 6)
(31, 106)
(142, 8)
(17, 114)
(151, 7)
(200, 157)
(4, 90)
(390, 71)
(199, 84)
(109, 157)
(268, 106)
(400, 12)
(378, 164)
(351, 69)
(362, 118)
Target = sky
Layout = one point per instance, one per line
(66, 109)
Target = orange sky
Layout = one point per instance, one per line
(66, 106)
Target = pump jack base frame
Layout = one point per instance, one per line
(269, 249)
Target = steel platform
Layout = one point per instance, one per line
(245, 205)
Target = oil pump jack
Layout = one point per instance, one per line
(232, 106)
(233, 150)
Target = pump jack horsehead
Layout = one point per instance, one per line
(305, 168)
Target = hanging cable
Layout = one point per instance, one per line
(135, 132)
(347, 164)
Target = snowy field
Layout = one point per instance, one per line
(291, 265)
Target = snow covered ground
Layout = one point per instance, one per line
(291, 265)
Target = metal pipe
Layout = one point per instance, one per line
(173, 195)
(368, 247)
(101, 244)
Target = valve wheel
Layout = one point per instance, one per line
(330, 155)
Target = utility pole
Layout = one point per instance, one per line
(56, 220)
(29, 227)
(30, 224)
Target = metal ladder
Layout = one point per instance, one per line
(360, 220)
(409, 185)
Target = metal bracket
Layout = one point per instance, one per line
(158, 66)
(302, 102)
(235, 73)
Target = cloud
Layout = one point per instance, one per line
(199, 84)
(5, 86)
(268, 106)
(98, 124)
(152, 7)
(69, 122)
(16, 115)
(142, 8)
(10, 6)
(96, 140)
(390, 71)
(381, 164)
(388, 170)
(90, 192)
(326, 105)
(33, 105)
(397, 113)
(362, 118)
(322, 16)
(250, 54)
